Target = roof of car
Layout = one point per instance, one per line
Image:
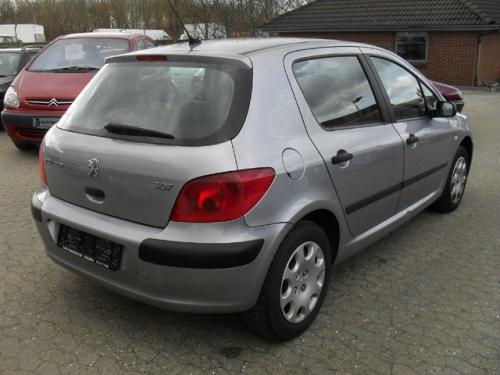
(103, 35)
(20, 49)
(246, 46)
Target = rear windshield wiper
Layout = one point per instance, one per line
(135, 130)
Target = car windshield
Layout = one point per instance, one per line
(174, 102)
(9, 63)
(78, 54)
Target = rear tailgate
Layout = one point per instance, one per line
(134, 181)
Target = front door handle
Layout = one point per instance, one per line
(342, 157)
(412, 139)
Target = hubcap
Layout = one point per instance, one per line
(458, 179)
(302, 282)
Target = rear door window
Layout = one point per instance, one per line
(337, 91)
(193, 102)
(402, 88)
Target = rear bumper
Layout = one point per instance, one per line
(221, 272)
(19, 126)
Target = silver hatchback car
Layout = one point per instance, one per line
(231, 176)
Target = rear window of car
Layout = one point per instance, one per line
(78, 52)
(194, 103)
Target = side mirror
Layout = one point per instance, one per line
(445, 109)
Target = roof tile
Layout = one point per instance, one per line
(324, 15)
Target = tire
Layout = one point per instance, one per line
(267, 317)
(24, 146)
(450, 198)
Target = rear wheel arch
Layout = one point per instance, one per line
(328, 222)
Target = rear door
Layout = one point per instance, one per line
(348, 123)
(428, 141)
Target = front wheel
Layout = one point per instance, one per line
(295, 285)
(455, 184)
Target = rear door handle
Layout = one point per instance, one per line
(342, 157)
(412, 139)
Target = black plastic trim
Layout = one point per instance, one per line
(391, 190)
(17, 119)
(423, 175)
(36, 212)
(199, 255)
(373, 198)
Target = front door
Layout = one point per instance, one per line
(362, 151)
(428, 141)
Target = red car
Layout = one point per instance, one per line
(451, 94)
(47, 86)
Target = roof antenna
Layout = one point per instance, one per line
(193, 42)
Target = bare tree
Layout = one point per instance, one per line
(239, 17)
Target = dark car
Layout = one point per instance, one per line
(451, 93)
(7, 41)
(12, 60)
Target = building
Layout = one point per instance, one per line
(452, 41)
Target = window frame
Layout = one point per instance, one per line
(422, 85)
(377, 94)
(412, 61)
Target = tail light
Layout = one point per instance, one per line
(41, 165)
(222, 197)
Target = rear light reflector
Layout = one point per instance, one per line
(41, 166)
(151, 58)
(222, 197)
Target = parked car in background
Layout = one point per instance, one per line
(232, 175)
(12, 61)
(7, 41)
(451, 94)
(48, 85)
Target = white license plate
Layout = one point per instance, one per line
(44, 122)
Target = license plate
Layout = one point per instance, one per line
(44, 122)
(93, 249)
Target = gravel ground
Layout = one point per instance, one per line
(424, 300)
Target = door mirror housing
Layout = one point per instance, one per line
(445, 109)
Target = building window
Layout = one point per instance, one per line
(412, 46)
